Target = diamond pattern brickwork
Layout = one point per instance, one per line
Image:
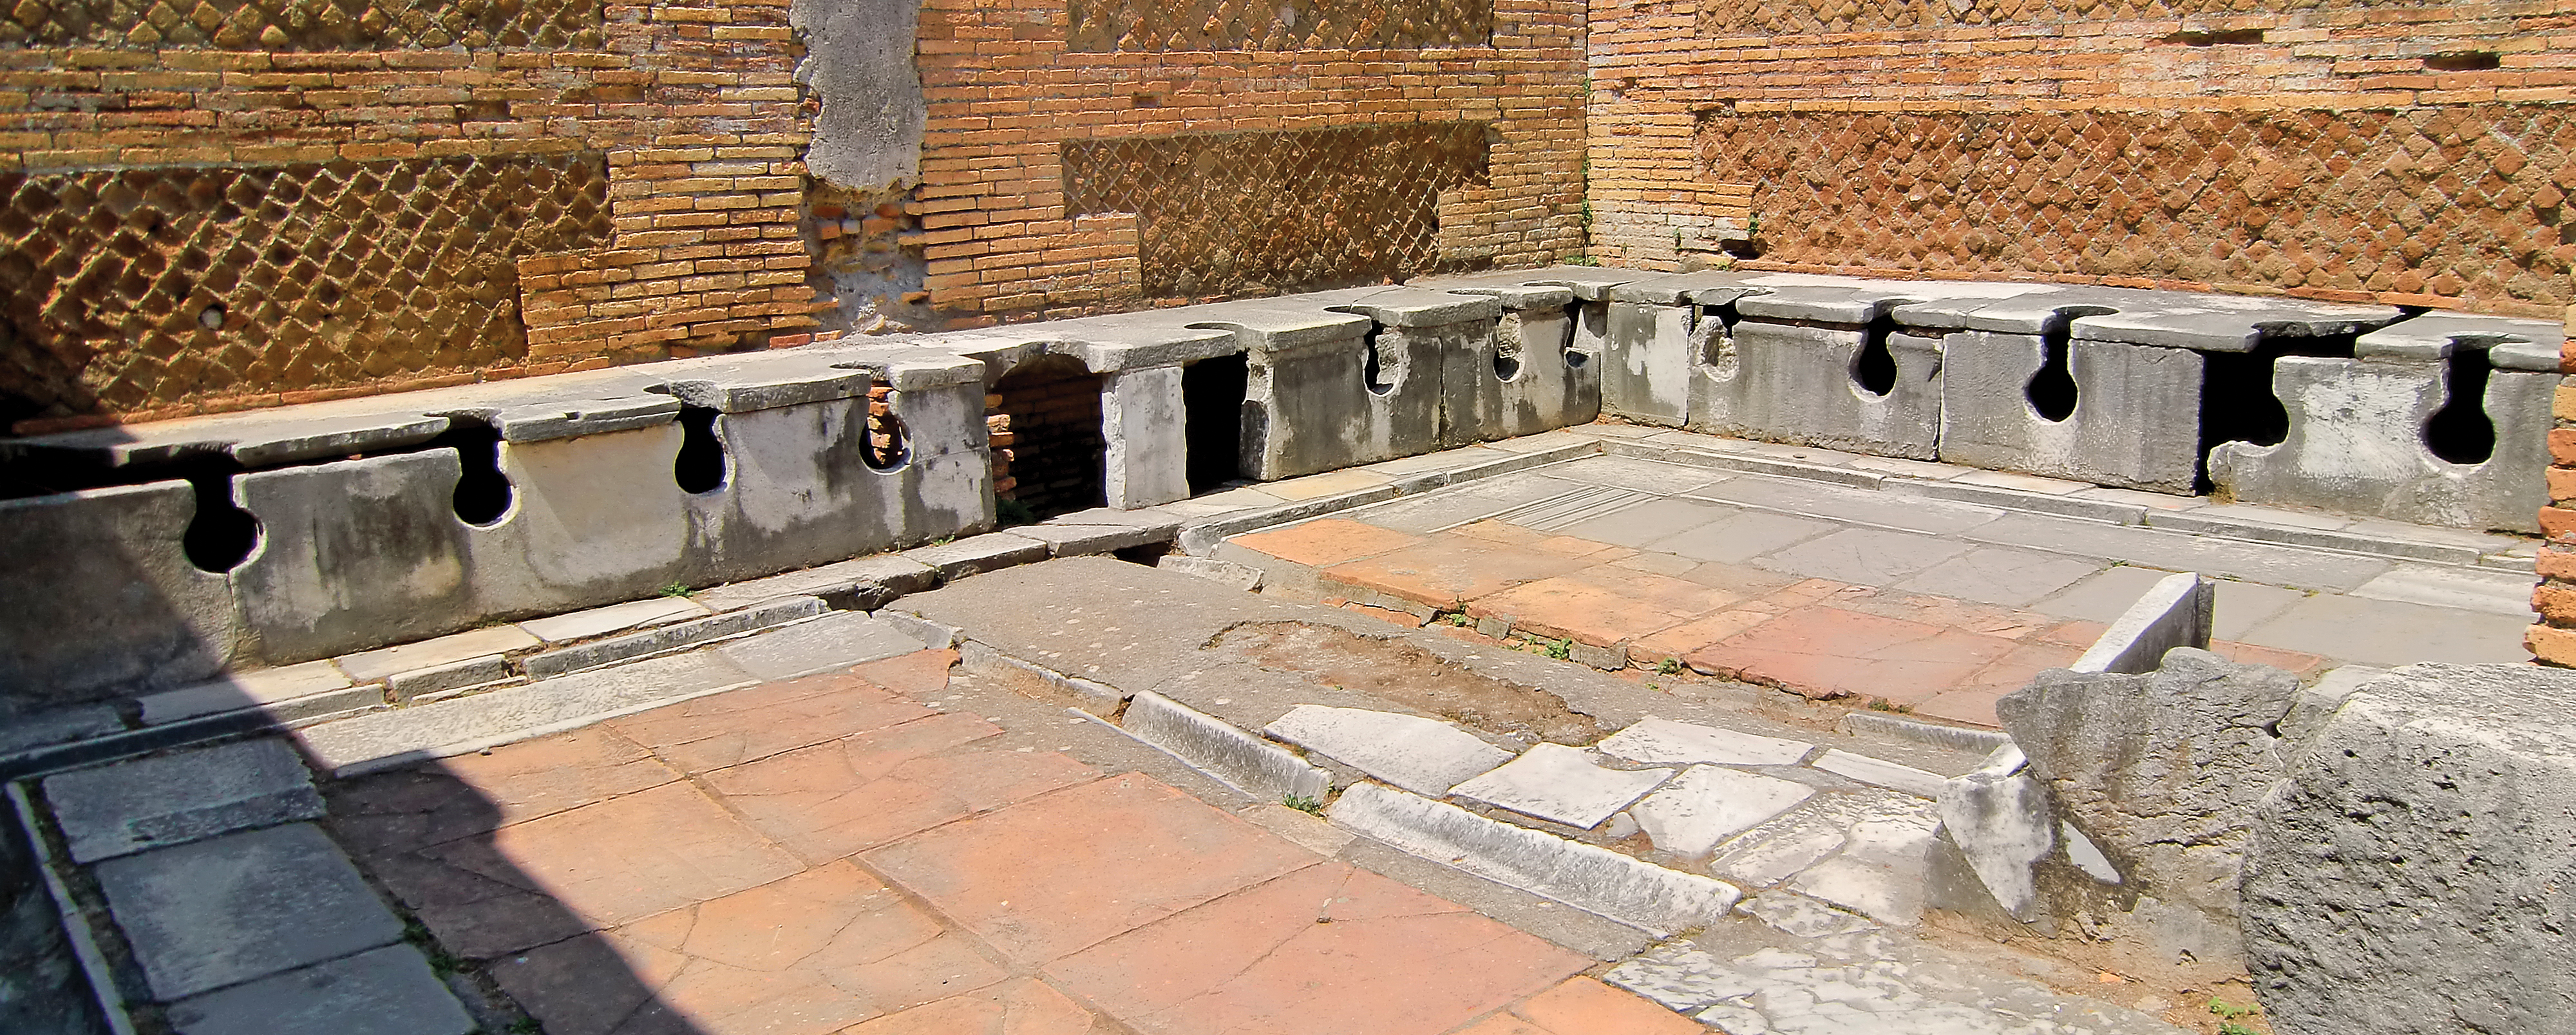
(1104, 26)
(2459, 201)
(1809, 17)
(301, 25)
(1255, 213)
(129, 289)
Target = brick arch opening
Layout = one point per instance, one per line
(1044, 417)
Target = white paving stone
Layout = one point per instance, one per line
(1883, 773)
(1560, 783)
(1663, 740)
(1708, 804)
(1425, 756)
(243, 690)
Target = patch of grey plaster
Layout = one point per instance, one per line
(858, 62)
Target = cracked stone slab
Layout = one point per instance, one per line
(1425, 756)
(1595, 880)
(387, 991)
(1560, 783)
(1663, 740)
(1819, 829)
(243, 906)
(181, 797)
(1708, 804)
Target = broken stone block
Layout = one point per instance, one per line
(2372, 436)
(1425, 756)
(1708, 804)
(1646, 370)
(2175, 612)
(1146, 459)
(2163, 770)
(1663, 740)
(2002, 821)
(2100, 412)
(2410, 876)
(180, 797)
(1561, 784)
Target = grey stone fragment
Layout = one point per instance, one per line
(1879, 771)
(981, 553)
(1560, 783)
(1240, 576)
(2410, 876)
(1425, 756)
(2175, 612)
(214, 913)
(387, 991)
(2004, 823)
(836, 640)
(1245, 762)
(675, 636)
(2164, 771)
(1663, 740)
(1595, 880)
(1708, 804)
(180, 797)
(419, 683)
(386, 739)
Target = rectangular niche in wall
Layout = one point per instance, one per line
(1256, 213)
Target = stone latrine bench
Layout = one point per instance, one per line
(2433, 418)
(156, 555)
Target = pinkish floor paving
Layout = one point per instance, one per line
(1931, 655)
(838, 854)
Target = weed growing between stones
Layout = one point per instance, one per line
(677, 589)
(1309, 806)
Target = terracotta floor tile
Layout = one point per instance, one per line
(1828, 652)
(830, 800)
(2014, 670)
(1450, 570)
(1582, 1004)
(1592, 552)
(1325, 542)
(1023, 1007)
(1680, 640)
(1504, 1024)
(472, 794)
(1571, 607)
(915, 675)
(1330, 948)
(731, 728)
(2075, 634)
(1385, 614)
(1498, 532)
(1664, 592)
(604, 864)
(1976, 707)
(1964, 615)
(813, 953)
(1049, 876)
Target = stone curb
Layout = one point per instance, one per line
(1933, 734)
(1247, 763)
(677, 636)
(2072, 507)
(1596, 880)
(76, 926)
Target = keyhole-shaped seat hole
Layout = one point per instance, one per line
(2051, 391)
(700, 467)
(1874, 369)
(2461, 432)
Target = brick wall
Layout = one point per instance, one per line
(233, 205)
(2553, 638)
(2411, 152)
(1025, 96)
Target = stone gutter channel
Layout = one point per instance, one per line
(518, 654)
